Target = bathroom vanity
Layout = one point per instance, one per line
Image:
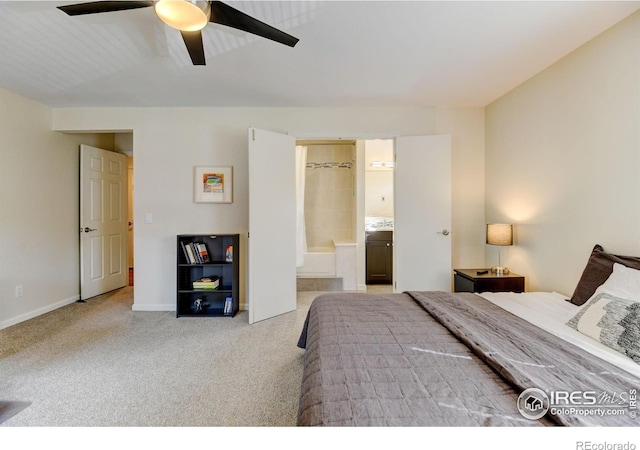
(379, 256)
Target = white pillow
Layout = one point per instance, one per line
(612, 320)
(623, 282)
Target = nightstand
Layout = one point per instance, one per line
(468, 280)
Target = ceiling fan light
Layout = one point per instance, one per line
(184, 15)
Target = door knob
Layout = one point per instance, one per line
(444, 232)
(87, 229)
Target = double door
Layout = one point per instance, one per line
(422, 219)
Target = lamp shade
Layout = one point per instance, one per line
(499, 234)
(184, 15)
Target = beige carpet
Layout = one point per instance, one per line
(100, 364)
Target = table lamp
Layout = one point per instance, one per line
(499, 234)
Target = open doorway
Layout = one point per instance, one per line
(103, 221)
(326, 215)
(378, 214)
(344, 215)
(120, 143)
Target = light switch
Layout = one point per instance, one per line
(148, 218)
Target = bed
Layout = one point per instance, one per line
(462, 359)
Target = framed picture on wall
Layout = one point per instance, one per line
(213, 184)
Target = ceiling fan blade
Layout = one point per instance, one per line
(193, 41)
(80, 9)
(226, 15)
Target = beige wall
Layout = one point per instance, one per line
(563, 160)
(378, 182)
(38, 209)
(168, 142)
(466, 127)
(39, 220)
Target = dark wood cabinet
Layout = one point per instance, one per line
(469, 280)
(218, 265)
(379, 257)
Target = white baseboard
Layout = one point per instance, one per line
(38, 312)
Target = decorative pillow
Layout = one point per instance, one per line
(623, 282)
(599, 267)
(613, 321)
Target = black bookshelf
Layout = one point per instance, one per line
(215, 263)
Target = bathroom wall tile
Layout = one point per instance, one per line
(325, 237)
(313, 153)
(329, 200)
(311, 178)
(326, 153)
(345, 153)
(343, 199)
(312, 198)
(345, 234)
(342, 219)
(327, 178)
(343, 178)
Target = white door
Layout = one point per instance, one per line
(422, 213)
(103, 221)
(130, 210)
(272, 225)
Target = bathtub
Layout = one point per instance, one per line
(318, 262)
(337, 261)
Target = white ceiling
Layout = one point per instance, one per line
(351, 53)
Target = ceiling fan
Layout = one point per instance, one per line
(189, 17)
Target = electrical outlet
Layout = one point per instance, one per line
(19, 290)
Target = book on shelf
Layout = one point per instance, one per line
(188, 253)
(228, 305)
(228, 254)
(207, 283)
(195, 252)
(184, 251)
(204, 254)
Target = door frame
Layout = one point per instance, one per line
(360, 232)
(360, 213)
(360, 222)
(121, 279)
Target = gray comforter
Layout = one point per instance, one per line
(440, 359)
